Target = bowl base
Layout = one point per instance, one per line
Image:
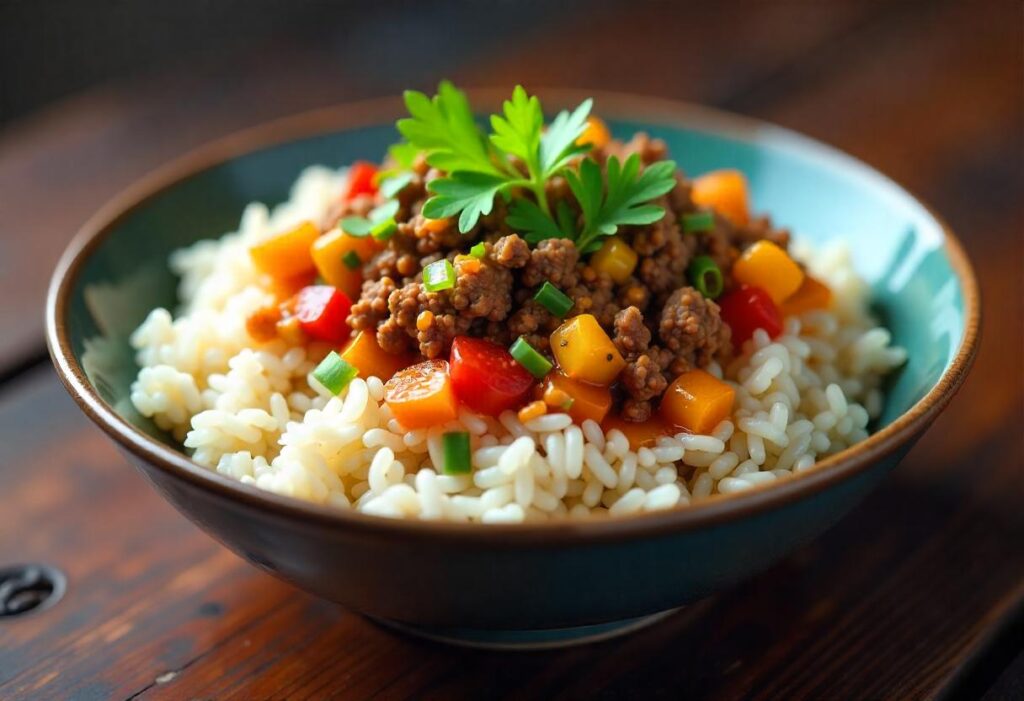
(542, 639)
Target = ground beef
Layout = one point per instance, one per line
(643, 378)
(691, 327)
(481, 289)
(534, 323)
(595, 294)
(636, 410)
(553, 260)
(510, 252)
(372, 306)
(632, 337)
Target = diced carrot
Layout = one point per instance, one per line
(436, 226)
(532, 411)
(616, 258)
(596, 133)
(725, 191)
(640, 434)
(585, 352)
(587, 401)
(421, 395)
(767, 266)
(812, 294)
(697, 401)
(287, 255)
(363, 353)
(330, 253)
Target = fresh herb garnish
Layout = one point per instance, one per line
(364, 226)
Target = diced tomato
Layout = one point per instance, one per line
(421, 395)
(747, 309)
(322, 311)
(362, 180)
(486, 378)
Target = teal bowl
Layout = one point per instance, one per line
(527, 584)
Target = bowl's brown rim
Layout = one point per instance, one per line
(716, 510)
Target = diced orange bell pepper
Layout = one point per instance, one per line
(697, 401)
(421, 395)
(595, 133)
(812, 294)
(588, 401)
(725, 191)
(585, 352)
(284, 288)
(640, 434)
(767, 266)
(363, 353)
(330, 253)
(616, 258)
(287, 255)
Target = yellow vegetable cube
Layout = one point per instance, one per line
(616, 258)
(585, 352)
(767, 266)
(286, 255)
(330, 255)
(697, 401)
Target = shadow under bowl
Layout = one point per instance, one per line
(454, 577)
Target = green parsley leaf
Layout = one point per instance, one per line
(470, 193)
(364, 226)
(530, 220)
(445, 128)
(404, 154)
(518, 132)
(391, 185)
(624, 202)
(558, 145)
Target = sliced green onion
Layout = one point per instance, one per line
(455, 446)
(351, 260)
(527, 356)
(701, 221)
(356, 226)
(386, 211)
(384, 230)
(439, 275)
(553, 299)
(705, 276)
(334, 373)
(478, 250)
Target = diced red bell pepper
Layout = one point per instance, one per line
(362, 179)
(747, 309)
(486, 378)
(322, 311)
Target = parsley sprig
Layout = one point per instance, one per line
(518, 157)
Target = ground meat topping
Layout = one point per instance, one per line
(553, 260)
(372, 306)
(481, 289)
(691, 327)
(632, 337)
(510, 252)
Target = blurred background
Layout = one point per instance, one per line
(95, 94)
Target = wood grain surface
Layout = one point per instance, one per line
(919, 593)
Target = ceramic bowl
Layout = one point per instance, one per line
(526, 584)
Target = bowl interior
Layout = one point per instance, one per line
(898, 247)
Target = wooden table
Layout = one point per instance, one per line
(919, 593)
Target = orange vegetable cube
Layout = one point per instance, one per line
(725, 191)
(697, 401)
(588, 401)
(286, 255)
(640, 434)
(595, 133)
(330, 254)
(811, 295)
(366, 356)
(585, 352)
(767, 266)
(421, 395)
(616, 258)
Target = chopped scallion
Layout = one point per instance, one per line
(334, 373)
(527, 356)
(700, 221)
(439, 275)
(356, 226)
(384, 230)
(351, 260)
(478, 250)
(455, 446)
(553, 299)
(705, 276)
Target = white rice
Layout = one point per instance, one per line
(249, 411)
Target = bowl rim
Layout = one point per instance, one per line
(326, 120)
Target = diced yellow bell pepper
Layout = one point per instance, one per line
(697, 401)
(616, 258)
(286, 255)
(595, 133)
(725, 191)
(585, 352)
(811, 295)
(329, 253)
(366, 356)
(767, 266)
(587, 401)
